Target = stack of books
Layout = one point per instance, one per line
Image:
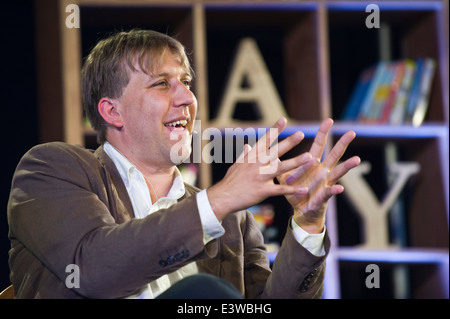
(392, 93)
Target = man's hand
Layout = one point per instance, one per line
(320, 178)
(251, 179)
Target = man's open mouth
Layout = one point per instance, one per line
(180, 124)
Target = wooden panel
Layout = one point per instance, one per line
(71, 66)
(428, 220)
(301, 70)
(421, 40)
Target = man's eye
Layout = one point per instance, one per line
(187, 83)
(161, 83)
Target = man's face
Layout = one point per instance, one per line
(157, 110)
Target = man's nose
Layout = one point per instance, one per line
(183, 95)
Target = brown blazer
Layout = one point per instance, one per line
(68, 205)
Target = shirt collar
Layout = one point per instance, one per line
(127, 171)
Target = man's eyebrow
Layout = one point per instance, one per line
(165, 74)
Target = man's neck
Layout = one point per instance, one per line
(159, 184)
(159, 177)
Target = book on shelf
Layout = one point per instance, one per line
(352, 109)
(398, 110)
(418, 103)
(375, 94)
(394, 92)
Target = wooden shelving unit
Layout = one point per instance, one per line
(314, 51)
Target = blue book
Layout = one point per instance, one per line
(353, 105)
(415, 91)
(366, 107)
(420, 95)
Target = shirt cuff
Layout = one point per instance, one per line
(312, 242)
(212, 228)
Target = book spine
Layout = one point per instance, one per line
(381, 94)
(415, 91)
(398, 111)
(353, 106)
(399, 70)
(418, 115)
(364, 114)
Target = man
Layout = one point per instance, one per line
(122, 214)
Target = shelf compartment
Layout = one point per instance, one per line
(396, 280)
(287, 39)
(423, 198)
(413, 33)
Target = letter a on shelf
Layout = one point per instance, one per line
(249, 64)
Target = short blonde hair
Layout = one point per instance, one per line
(106, 70)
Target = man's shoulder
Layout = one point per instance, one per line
(59, 154)
(52, 149)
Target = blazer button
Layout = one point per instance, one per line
(178, 257)
(185, 253)
(311, 274)
(163, 263)
(304, 286)
(170, 260)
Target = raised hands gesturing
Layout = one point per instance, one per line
(305, 180)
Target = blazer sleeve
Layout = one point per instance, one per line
(58, 213)
(296, 273)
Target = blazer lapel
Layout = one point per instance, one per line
(120, 202)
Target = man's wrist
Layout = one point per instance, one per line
(314, 226)
(218, 201)
(312, 242)
(211, 226)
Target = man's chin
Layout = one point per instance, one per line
(180, 153)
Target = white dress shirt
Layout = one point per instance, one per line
(139, 194)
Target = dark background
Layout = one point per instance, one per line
(19, 129)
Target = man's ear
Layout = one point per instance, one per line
(108, 110)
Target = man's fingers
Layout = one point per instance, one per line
(271, 135)
(343, 168)
(331, 191)
(283, 189)
(321, 138)
(296, 164)
(267, 150)
(288, 143)
(246, 150)
(339, 149)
